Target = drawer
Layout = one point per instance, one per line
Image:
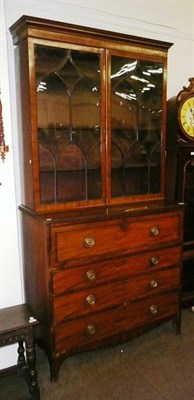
(92, 239)
(92, 328)
(108, 296)
(90, 275)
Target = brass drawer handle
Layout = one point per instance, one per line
(153, 284)
(89, 241)
(91, 275)
(154, 260)
(90, 300)
(154, 231)
(153, 309)
(91, 329)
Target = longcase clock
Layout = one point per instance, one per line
(180, 175)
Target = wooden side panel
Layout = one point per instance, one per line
(35, 264)
(24, 124)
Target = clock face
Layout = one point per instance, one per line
(186, 117)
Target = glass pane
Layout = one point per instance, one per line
(136, 110)
(69, 124)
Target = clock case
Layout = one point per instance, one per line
(180, 184)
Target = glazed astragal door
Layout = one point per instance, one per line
(70, 115)
(99, 131)
(136, 108)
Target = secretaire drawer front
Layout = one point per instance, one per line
(107, 296)
(94, 274)
(104, 237)
(95, 327)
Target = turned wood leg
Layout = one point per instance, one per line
(31, 371)
(21, 362)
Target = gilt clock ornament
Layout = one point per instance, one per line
(185, 104)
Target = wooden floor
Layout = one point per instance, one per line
(156, 366)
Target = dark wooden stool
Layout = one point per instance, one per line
(17, 326)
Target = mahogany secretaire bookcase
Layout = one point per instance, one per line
(102, 249)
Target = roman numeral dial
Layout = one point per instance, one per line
(186, 117)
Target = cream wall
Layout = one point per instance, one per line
(159, 19)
